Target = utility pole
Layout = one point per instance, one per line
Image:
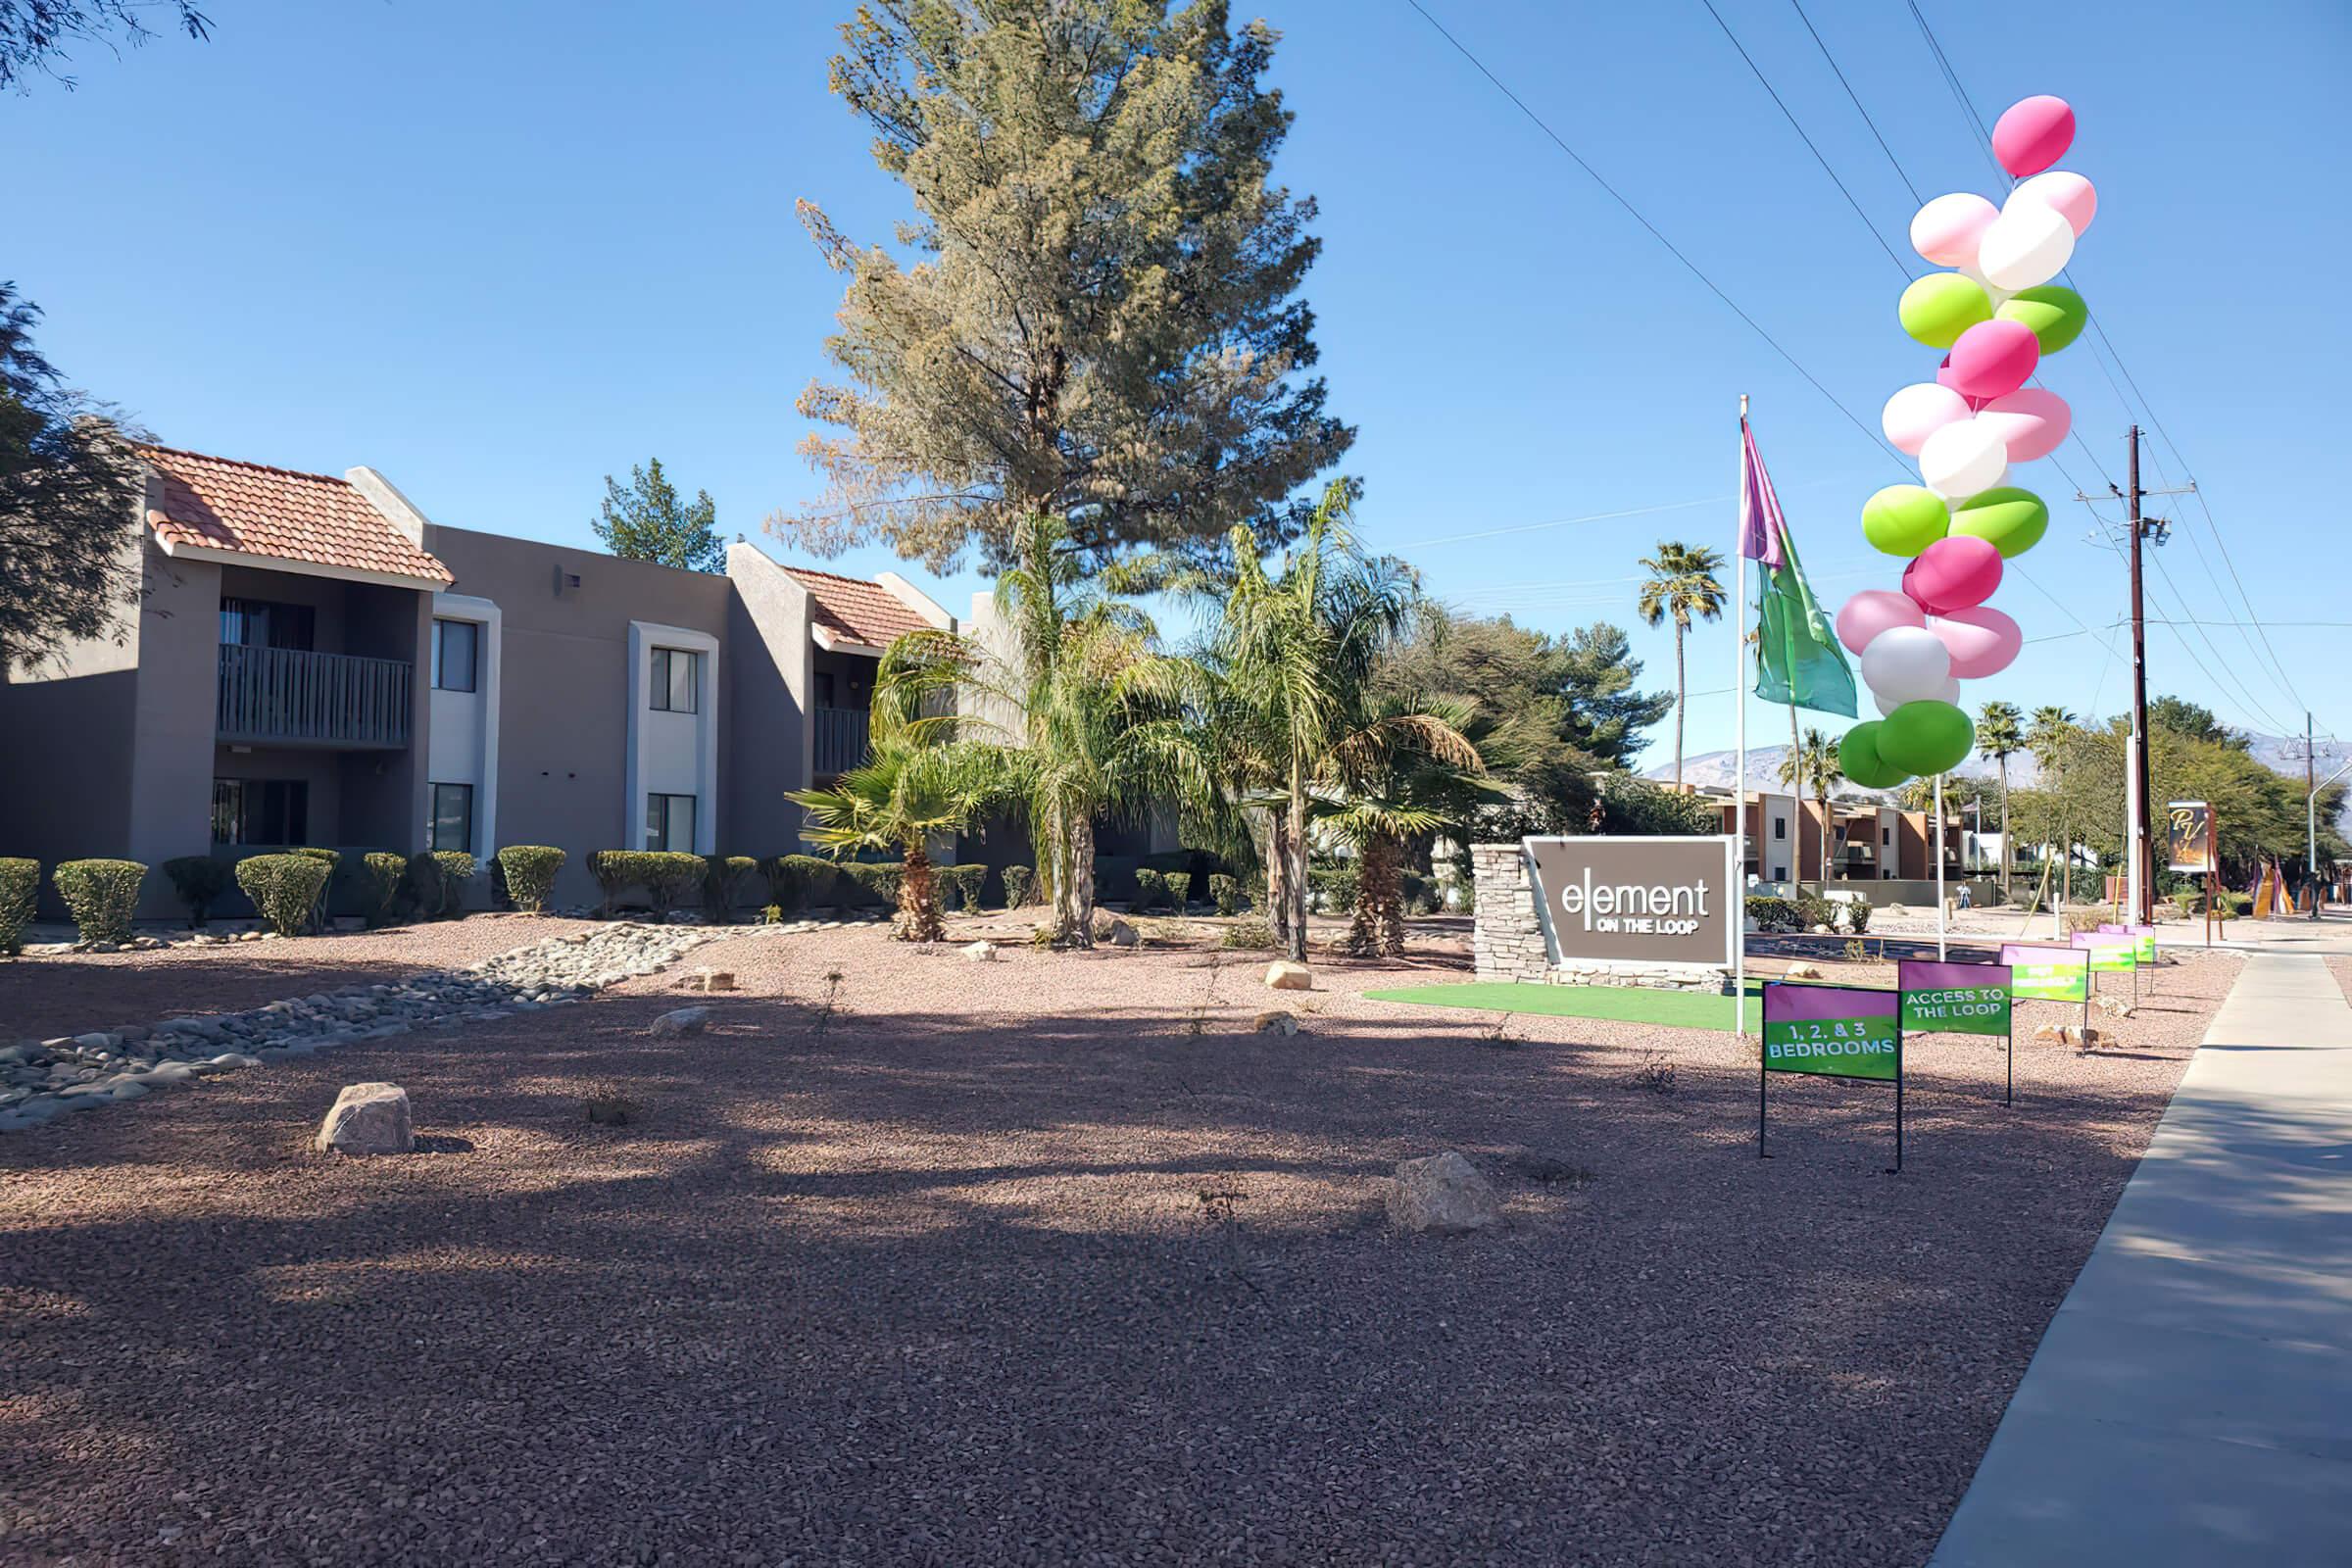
(2311, 816)
(2142, 878)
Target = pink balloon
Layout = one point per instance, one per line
(2032, 422)
(1992, 359)
(1947, 229)
(2068, 195)
(1982, 641)
(2032, 133)
(1958, 571)
(1872, 612)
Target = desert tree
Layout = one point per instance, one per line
(36, 34)
(649, 520)
(1094, 314)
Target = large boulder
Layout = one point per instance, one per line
(1444, 1194)
(368, 1119)
(981, 953)
(1285, 975)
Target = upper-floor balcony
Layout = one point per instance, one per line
(294, 697)
(840, 740)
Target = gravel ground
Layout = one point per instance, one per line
(63, 993)
(923, 1274)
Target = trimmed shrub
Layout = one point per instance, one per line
(384, 872)
(1771, 914)
(1019, 883)
(331, 860)
(2188, 902)
(435, 882)
(1332, 887)
(1813, 910)
(966, 881)
(821, 878)
(100, 894)
(199, 880)
(1150, 890)
(725, 877)
(1226, 889)
(530, 873)
(773, 914)
(611, 870)
(20, 888)
(284, 888)
(1251, 933)
(667, 876)
(1857, 915)
(1180, 890)
(876, 879)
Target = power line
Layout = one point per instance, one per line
(1856, 100)
(1787, 114)
(1656, 232)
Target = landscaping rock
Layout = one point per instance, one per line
(707, 980)
(981, 952)
(1276, 1023)
(368, 1119)
(684, 1022)
(1285, 975)
(1122, 935)
(1443, 1194)
(1803, 971)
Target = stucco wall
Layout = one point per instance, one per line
(770, 665)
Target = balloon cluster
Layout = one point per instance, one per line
(1995, 315)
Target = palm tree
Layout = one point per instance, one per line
(908, 789)
(1290, 663)
(1811, 767)
(1092, 723)
(2047, 739)
(1999, 731)
(1410, 795)
(1682, 584)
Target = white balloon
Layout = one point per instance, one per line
(1946, 230)
(1906, 664)
(2069, 193)
(1950, 693)
(1999, 296)
(1964, 458)
(1918, 412)
(2027, 245)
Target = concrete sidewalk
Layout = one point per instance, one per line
(2191, 1401)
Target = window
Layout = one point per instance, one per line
(1886, 837)
(455, 645)
(824, 688)
(677, 681)
(453, 816)
(1780, 873)
(257, 810)
(669, 823)
(1779, 827)
(259, 623)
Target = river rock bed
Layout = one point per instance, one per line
(41, 1080)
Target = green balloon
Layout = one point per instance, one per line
(2013, 520)
(2056, 316)
(1938, 308)
(1859, 760)
(1903, 519)
(1928, 737)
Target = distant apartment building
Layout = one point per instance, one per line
(1782, 834)
(311, 660)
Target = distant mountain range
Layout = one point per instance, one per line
(1713, 770)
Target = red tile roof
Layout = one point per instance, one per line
(219, 504)
(855, 609)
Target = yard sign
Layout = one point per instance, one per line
(1958, 999)
(1833, 1032)
(2111, 954)
(2038, 974)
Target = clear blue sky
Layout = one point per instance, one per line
(499, 251)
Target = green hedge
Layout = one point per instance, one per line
(101, 895)
(199, 880)
(284, 888)
(19, 889)
(1180, 890)
(384, 872)
(966, 882)
(1333, 886)
(530, 871)
(799, 882)
(1226, 889)
(1150, 890)
(725, 877)
(1771, 914)
(434, 884)
(666, 875)
(1857, 915)
(877, 879)
(330, 860)
(1020, 882)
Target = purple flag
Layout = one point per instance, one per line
(1760, 519)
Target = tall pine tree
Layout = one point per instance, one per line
(1098, 320)
(650, 521)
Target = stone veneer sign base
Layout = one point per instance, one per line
(1509, 944)
(1673, 1009)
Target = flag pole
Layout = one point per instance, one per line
(1739, 912)
(1943, 909)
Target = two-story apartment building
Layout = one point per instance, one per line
(311, 660)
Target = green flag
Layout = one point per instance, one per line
(1798, 659)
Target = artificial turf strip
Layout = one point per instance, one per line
(1676, 1009)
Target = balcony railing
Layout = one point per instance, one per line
(293, 696)
(840, 740)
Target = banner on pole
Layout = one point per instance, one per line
(2188, 836)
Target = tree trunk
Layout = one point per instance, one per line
(1297, 889)
(919, 896)
(1680, 698)
(2005, 863)
(1073, 879)
(1278, 878)
(1384, 864)
(1364, 936)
